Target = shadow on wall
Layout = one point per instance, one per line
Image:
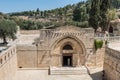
(97, 76)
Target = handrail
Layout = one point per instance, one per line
(110, 39)
(5, 55)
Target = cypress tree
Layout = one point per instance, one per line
(94, 15)
(104, 7)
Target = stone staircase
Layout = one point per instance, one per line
(68, 70)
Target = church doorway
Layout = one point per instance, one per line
(67, 60)
(67, 56)
(111, 29)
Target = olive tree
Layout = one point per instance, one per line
(8, 29)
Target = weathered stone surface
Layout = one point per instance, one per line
(8, 64)
(112, 63)
(48, 48)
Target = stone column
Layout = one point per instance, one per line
(78, 60)
(60, 60)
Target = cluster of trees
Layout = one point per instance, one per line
(95, 12)
(35, 25)
(76, 14)
(101, 13)
(92, 13)
(66, 13)
(81, 11)
(54, 13)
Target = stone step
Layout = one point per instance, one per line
(68, 70)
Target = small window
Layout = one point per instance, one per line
(67, 47)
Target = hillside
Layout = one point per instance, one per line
(64, 13)
(56, 17)
(74, 14)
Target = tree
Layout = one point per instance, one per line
(80, 12)
(37, 10)
(76, 14)
(94, 15)
(8, 28)
(104, 8)
(99, 14)
(111, 15)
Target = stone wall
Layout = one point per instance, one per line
(34, 57)
(112, 64)
(47, 50)
(96, 58)
(30, 56)
(28, 32)
(8, 64)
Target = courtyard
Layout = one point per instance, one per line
(37, 74)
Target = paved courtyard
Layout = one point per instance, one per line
(43, 75)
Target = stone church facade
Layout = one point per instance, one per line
(66, 50)
(66, 46)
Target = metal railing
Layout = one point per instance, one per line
(110, 39)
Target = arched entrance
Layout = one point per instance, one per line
(67, 56)
(68, 52)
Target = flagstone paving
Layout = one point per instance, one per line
(43, 75)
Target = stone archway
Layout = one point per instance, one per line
(68, 48)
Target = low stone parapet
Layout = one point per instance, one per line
(112, 63)
(8, 63)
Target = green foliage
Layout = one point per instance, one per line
(99, 14)
(8, 28)
(98, 44)
(76, 14)
(104, 7)
(80, 13)
(65, 16)
(65, 13)
(111, 14)
(35, 25)
(115, 4)
(94, 15)
(93, 12)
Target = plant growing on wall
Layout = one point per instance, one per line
(98, 44)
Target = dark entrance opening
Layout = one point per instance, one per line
(67, 61)
(67, 56)
(111, 29)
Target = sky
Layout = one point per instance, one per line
(7, 6)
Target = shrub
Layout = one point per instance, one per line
(98, 44)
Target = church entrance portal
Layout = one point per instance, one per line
(68, 52)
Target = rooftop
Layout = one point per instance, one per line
(115, 45)
(27, 39)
